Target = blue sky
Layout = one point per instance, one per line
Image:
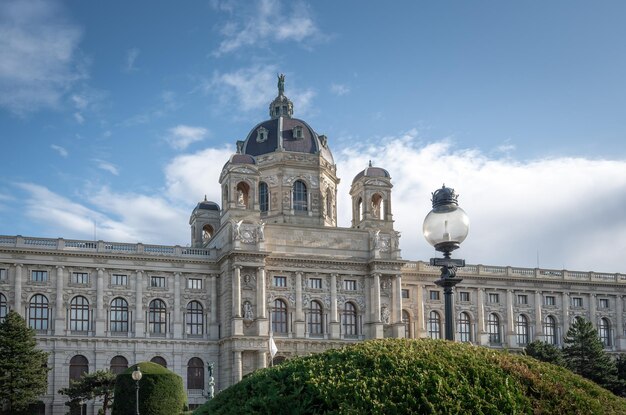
(123, 113)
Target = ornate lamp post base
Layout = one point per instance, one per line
(447, 281)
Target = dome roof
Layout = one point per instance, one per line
(284, 133)
(207, 205)
(242, 159)
(372, 172)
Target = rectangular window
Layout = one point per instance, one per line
(522, 299)
(194, 283)
(349, 285)
(434, 295)
(39, 276)
(550, 300)
(464, 296)
(603, 303)
(119, 279)
(157, 282)
(577, 301)
(315, 283)
(3, 274)
(80, 278)
(280, 281)
(494, 298)
(405, 293)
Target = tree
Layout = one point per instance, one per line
(96, 385)
(545, 352)
(584, 354)
(620, 362)
(23, 371)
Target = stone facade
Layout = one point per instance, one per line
(272, 262)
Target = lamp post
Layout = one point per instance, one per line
(137, 377)
(445, 227)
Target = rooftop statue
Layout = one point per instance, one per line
(281, 84)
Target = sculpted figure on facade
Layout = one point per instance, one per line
(248, 313)
(237, 229)
(261, 231)
(385, 315)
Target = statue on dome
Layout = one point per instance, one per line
(281, 84)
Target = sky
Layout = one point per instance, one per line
(116, 117)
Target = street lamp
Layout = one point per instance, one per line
(137, 377)
(445, 227)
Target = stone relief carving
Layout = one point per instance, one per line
(248, 313)
(385, 314)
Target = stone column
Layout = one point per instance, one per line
(334, 318)
(17, 302)
(398, 325)
(538, 317)
(482, 335)
(421, 317)
(510, 319)
(566, 304)
(237, 321)
(261, 303)
(59, 319)
(261, 359)
(213, 326)
(100, 316)
(593, 305)
(619, 321)
(299, 320)
(140, 328)
(377, 331)
(178, 321)
(237, 367)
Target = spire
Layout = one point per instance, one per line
(281, 106)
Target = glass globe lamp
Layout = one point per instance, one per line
(137, 374)
(446, 226)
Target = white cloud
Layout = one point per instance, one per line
(181, 136)
(62, 151)
(131, 58)
(38, 61)
(339, 89)
(269, 21)
(79, 117)
(564, 208)
(106, 166)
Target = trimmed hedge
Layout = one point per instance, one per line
(399, 376)
(161, 391)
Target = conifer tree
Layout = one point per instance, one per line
(545, 352)
(96, 385)
(23, 371)
(584, 354)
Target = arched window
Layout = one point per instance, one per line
(279, 317)
(434, 325)
(359, 207)
(157, 316)
(78, 365)
(38, 312)
(493, 328)
(79, 314)
(264, 197)
(465, 327)
(349, 320)
(195, 318)
(549, 330)
(119, 315)
(118, 364)
(159, 361)
(315, 318)
(195, 373)
(521, 330)
(3, 307)
(406, 320)
(243, 191)
(300, 196)
(604, 331)
(377, 206)
(207, 233)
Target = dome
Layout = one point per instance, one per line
(372, 172)
(242, 159)
(207, 205)
(284, 133)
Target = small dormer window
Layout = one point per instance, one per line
(323, 140)
(261, 134)
(297, 132)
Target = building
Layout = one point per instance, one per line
(272, 260)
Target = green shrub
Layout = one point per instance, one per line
(397, 376)
(161, 391)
